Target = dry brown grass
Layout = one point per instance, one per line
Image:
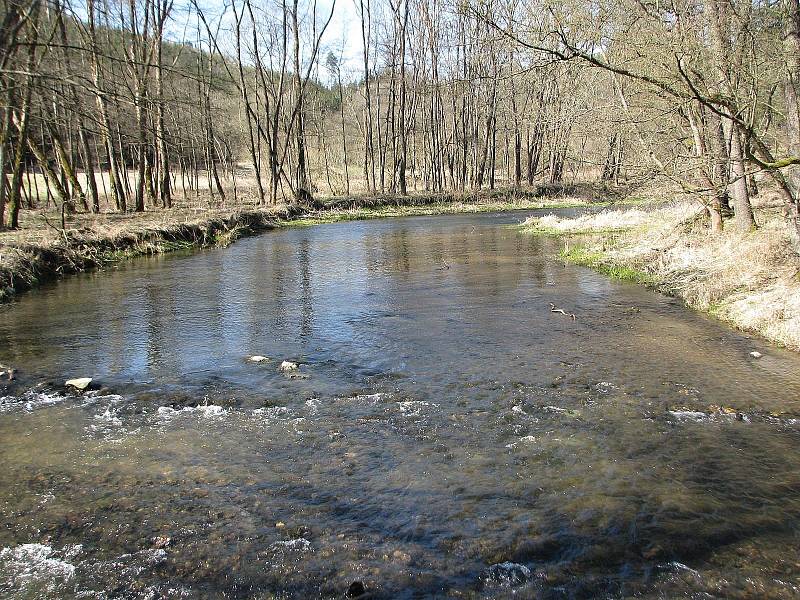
(750, 280)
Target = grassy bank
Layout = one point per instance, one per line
(334, 215)
(448, 204)
(750, 280)
(42, 251)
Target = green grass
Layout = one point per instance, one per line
(496, 201)
(144, 249)
(554, 232)
(443, 208)
(598, 261)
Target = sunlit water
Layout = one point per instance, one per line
(446, 435)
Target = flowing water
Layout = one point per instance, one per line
(446, 434)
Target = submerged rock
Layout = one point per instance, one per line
(257, 358)
(506, 574)
(287, 366)
(356, 590)
(80, 383)
(401, 557)
(37, 570)
(205, 410)
(161, 541)
(295, 544)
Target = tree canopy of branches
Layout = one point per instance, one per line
(128, 105)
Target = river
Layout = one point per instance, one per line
(445, 435)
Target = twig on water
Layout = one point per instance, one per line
(562, 311)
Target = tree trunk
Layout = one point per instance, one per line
(302, 188)
(164, 187)
(791, 90)
(344, 134)
(5, 140)
(369, 156)
(742, 210)
(401, 161)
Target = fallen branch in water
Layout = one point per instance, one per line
(562, 311)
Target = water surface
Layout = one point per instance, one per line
(446, 434)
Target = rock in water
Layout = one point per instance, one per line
(356, 590)
(160, 542)
(81, 383)
(287, 366)
(506, 574)
(756, 354)
(258, 358)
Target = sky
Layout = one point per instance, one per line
(343, 35)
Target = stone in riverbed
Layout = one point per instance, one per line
(506, 574)
(401, 557)
(80, 383)
(356, 590)
(257, 358)
(756, 354)
(287, 366)
(160, 542)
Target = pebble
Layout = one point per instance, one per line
(81, 383)
(756, 354)
(161, 541)
(401, 557)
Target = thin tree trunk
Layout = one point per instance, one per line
(742, 210)
(791, 91)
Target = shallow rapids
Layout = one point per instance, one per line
(445, 435)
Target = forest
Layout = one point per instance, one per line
(134, 105)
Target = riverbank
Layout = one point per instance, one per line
(41, 251)
(749, 280)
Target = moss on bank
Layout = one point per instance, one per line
(598, 260)
(441, 207)
(553, 232)
(362, 214)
